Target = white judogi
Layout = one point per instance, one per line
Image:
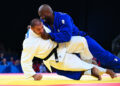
(34, 45)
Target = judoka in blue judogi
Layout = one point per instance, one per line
(63, 28)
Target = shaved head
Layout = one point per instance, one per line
(35, 22)
(46, 13)
(44, 7)
(37, 26)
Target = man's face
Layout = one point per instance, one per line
(38, 29)
(11, 58)
(4, 60)
(45, 16)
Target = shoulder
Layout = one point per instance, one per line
(30, 42)
(63, 17)
(61, 14)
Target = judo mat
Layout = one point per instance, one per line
(52, 79)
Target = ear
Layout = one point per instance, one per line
(32, 28)
(29, 26)
(49, 13)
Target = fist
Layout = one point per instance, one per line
(37, 77)
(45, 35)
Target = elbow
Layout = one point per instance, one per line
(69, 38)
(64, 39)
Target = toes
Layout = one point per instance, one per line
(99, 78)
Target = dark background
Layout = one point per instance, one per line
(100, 18)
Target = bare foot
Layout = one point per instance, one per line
(111, 73)
(95, 73)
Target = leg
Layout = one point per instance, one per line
(106, 58)
(74, 63)
(77, 64)
(71, 64)
(72, 67)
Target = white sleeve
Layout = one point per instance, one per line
(26, 60)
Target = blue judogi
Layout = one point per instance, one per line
(64, 28)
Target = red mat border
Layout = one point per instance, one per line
(96, 84)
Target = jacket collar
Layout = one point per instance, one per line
(32, 34)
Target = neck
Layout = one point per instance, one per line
(52, 20)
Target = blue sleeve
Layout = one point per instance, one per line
(65, 31)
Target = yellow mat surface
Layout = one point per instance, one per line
(52, 79)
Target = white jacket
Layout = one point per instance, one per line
(34, 45)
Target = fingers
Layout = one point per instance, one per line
(37, 77)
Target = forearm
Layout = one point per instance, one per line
(27, 69)
(60, 37)
(26, 63)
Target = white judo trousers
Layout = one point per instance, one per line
(34, 45)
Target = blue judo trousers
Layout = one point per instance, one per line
(62, 31)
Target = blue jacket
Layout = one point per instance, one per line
(63, 28)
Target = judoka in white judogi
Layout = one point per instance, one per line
(34, 45)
